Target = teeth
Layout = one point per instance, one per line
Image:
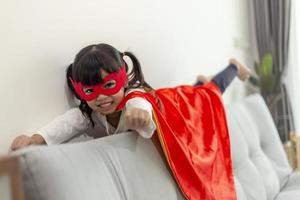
(104, 105)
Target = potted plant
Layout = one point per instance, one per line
(264, 79)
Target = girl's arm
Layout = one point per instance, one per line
(62, 128)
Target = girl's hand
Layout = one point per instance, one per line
(24, 141)
(21, 142)
(136, 118)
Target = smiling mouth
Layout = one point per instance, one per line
(105, 105)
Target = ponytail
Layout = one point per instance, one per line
(68, 76)
(84, 108)
(136, 77)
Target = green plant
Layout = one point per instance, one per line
(265, 79)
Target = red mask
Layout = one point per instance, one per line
(119, 78)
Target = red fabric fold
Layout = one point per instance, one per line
(192, 128)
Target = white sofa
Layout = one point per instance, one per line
(126, 166)
(261, 168)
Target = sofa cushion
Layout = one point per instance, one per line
(259, 162)
(269, 138)
(123, 166)
(291, 190)
(293, 182)
(289, 195)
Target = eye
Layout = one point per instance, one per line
(110, 84)
(88, 91)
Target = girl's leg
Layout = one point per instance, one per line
(222, 79)
(225, 77)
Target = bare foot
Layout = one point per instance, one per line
(243, 72)
(203, 79)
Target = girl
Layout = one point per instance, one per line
(101, 65)
(190, 121)
(101, 72)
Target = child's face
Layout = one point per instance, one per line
(110, 85)
(106, 104)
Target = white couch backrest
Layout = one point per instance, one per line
(119, 167)
(260, 164)
(126, 166)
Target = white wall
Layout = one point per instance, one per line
(174, 39)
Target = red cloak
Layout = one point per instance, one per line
(192, 129)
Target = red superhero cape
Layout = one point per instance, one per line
(192, 128)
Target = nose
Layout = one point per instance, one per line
(100, 97)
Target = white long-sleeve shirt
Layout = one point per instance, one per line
(73, 123)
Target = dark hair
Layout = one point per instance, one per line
(91, 59)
